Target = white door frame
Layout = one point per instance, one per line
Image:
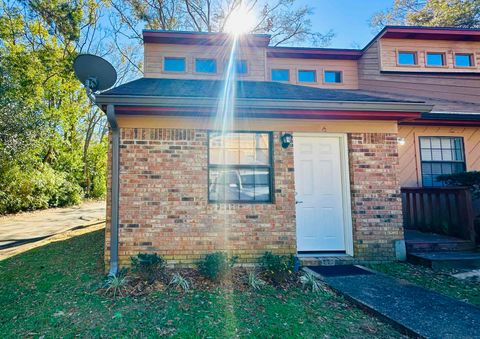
(345, 175)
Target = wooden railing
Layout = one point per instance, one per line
(442, 210)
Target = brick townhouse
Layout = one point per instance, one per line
(319, 144)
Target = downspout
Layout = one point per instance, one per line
(114, 200)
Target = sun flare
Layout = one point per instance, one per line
(240, 21)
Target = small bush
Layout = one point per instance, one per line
(468, 179)
(179, 282)
(149, 267)
(254, 281)
(278, 268)
(116, 285)
(215, 266)
(310, 282)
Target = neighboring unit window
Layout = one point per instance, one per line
(241, 67)
(205, 66)
(307, 76)
(407, 58)
(240, 167)
(333, 77)
(435, 59)
(280, 75)
(174, 64)
(440, 155)
(464, 60)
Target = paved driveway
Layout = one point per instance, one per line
(26, 227)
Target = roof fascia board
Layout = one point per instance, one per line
(265, 103)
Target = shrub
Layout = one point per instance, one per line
(309, 281)
(215, 266)
(254, 281)
(277, 267)
(26, 189)
(149, 267)
(116, 285)
(179, 282)
(468, 179)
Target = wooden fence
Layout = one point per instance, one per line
(441, 210)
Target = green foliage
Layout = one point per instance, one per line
(255, 282)
(468, 179)
(148, 266)
(215, 266)
(116, 285)
(36, 189)
(310, 282)
(51, 144)
(278, 268)
(179, 282)
(450, 13)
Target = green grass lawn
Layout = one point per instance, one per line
(53, 291)
(439, 281)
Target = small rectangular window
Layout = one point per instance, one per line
(205, 66)
(241, 67)
(435, 59)
(240, 167)
(407, 58)
(440, 155)
(307, 76)
(333, 77)
(174, 64)
(464, 60)
(280, 75)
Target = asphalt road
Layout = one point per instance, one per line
(29, 227)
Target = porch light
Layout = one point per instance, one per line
(286, 140)
(401, 141)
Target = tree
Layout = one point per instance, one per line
(450, 13)
(47, 123)
(285, 20)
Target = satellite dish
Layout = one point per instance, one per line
(95, 73)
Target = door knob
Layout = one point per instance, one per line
(298, 202)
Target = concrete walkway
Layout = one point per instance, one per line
(414, 310)
(33, 226)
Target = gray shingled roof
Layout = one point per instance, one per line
(245, 90)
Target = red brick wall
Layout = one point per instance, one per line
(376, 199)
(164, 200)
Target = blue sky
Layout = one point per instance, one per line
(349, 19)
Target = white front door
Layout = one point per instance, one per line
(319, 192)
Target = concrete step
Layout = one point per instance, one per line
(437, 260)
(456, 245)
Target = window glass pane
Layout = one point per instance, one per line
(436, 143)
(425, 142)
(333, 77)
(205, 66)
(407, 58)
(241, 66)
(426, 154)
(446, 142)
(427, 168)
(280, 75)
(436, 168)
(427, 180)
(435, 59)
(262, 185)
(464, 60)
(174, 64)
(232, 156)
(307, 76)
(447, 155)
(224, 184)
(254, 157)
